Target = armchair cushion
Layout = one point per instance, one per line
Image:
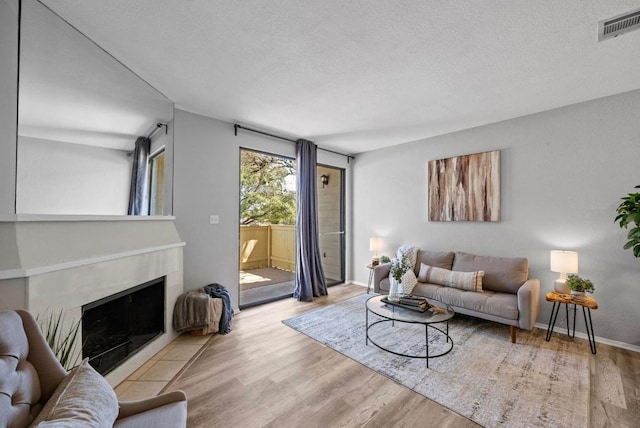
(170, 415)
(83, 398)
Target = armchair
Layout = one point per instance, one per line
(30, 375)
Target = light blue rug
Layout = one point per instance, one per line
(485, 377)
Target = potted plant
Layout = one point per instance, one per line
(579, 286)
(385, 259)
(398, 268)
(61, 340)
(629, 214)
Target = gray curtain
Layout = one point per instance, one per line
(310, 281)
(139, 192)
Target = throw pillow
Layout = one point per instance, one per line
(470, 281)
(408, 282)
(83, 399)
(410, 254)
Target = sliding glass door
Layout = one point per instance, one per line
(267, 227)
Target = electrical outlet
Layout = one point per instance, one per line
(214, 219)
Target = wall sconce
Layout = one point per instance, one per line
(563, 262)
(324, 178)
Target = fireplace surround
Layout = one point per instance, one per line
(66, 262)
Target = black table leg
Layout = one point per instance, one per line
(366, 327)
(426, 336)
(575, 309)
(589, 327)
(552, 319)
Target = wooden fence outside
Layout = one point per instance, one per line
(268, 246)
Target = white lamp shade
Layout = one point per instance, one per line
(375, 244)
(564, 261)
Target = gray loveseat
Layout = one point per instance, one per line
(509, 296)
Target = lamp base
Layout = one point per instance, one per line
(561, 287)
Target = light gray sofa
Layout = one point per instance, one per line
(509, 296)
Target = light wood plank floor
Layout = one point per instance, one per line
(267, 374)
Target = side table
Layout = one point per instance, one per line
(587, 304)
(370, 267)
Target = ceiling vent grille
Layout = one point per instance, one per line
(613, 27)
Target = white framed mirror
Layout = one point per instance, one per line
(80, 112)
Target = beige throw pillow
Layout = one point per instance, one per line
(470, 281)
(83, 399)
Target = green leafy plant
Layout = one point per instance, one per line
(629, 214)
(575, 283)
(398, 268)
(61, 341)
(385, 259)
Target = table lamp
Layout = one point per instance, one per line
(563, 262)
(375, 245)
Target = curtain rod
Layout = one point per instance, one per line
(237, 126)
(158, 126)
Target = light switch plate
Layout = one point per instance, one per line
(214, 219)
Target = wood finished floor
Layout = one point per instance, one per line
(267, 374)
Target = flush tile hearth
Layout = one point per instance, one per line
(150, 378)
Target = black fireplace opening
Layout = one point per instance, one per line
(118, 326)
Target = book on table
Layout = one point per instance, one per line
(419, 302)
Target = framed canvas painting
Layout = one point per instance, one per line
(465, 188)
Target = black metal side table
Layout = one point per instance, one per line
(587, 304)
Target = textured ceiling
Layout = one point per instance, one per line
(360, 75)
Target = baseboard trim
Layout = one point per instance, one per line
(605, 341)
(361, 284)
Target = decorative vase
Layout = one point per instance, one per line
(578, 295)
(394, 290)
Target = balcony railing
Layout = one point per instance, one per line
(268, 246)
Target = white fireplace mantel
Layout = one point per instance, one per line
(65, 262)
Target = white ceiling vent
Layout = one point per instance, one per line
(613, 27)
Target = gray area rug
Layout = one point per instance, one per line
(485, 377)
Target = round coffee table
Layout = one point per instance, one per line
(392, 313)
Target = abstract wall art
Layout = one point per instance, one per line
(465, 188)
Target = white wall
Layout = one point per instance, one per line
(562, 174)
(63, 178)
(206, 182)
(8, 103)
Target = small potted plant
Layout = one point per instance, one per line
(385, 259)
(398, 268)
(579, 286)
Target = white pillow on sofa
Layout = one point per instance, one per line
(82, 399)
(469, 281)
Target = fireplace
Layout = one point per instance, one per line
(116, 327)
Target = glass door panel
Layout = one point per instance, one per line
(331, 222)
